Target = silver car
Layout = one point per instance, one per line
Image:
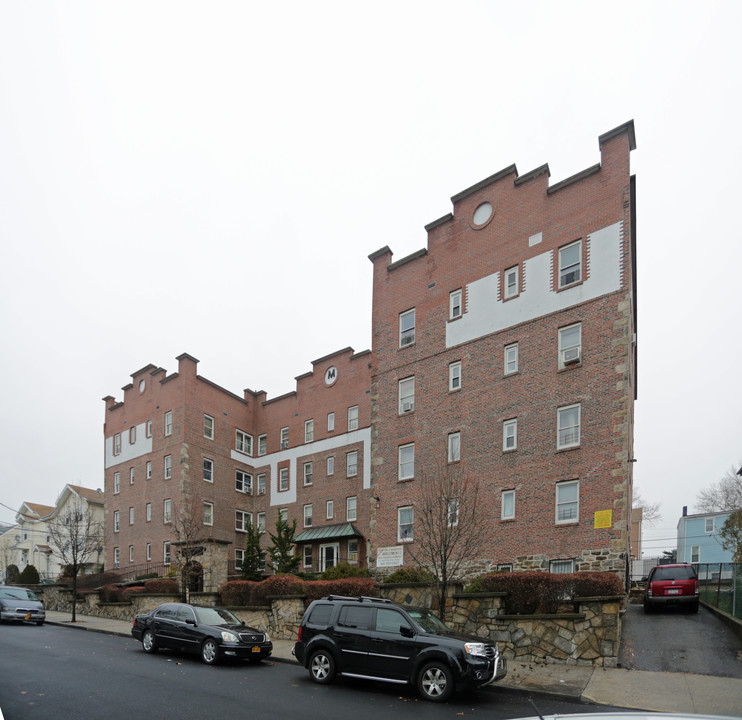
(20, 604)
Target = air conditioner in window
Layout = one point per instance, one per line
(408, 406)
(353, 557)
(284, 444)
(261, 492)
(408, 339)
(571, 356)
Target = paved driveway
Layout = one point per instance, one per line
(673, 640)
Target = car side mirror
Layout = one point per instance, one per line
(406, 631)
(190, 621)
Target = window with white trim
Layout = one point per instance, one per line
(283, 514)
(307, 556)
(507, 505)
(710, 524)
(116, 483)
(169, 423)
(351, 509)
(148, 551)
(261, 484)
(406, 461)
(283, 479)
(260, 517)
(243, 482)
(454, 447)
(406, 395)
(208, 470)
(131, 516)
(510, 434)
(308, 515)
(407, 328)
(239, 559)
(243, 442)
(284, 438)
(148, 511)
(455, 308)
(511, 286)
(208, 513)
(353, 551)
(241, 520)
(570, 345)
(329, 510)
(405, 523)
(117, 444)
(167, 511)
(568, 426)
(454, 376)
(262, 444)
(131, 476)
(695, 553)
(116, 521)
(561, 567)
(567, 502)
(148, 429)
(308, 473)
(149, 469)
(511, 358)
(132, 434)
(570, 264)
(168, 466)
(309, 431)
(330, 465)
(330, 422)
(116, 557)
(353, 418)
(351, 463)
(166, 552)
(452, 513)
(208, 427)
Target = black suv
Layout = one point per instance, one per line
(376, 639)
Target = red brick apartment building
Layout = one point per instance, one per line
(507, 348)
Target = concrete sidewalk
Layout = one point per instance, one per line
(634, 689)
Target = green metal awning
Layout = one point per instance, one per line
(328, 532)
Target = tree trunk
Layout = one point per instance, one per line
(74, 594)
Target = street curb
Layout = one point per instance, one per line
(87, 629)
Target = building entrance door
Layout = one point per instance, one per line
(328, 556)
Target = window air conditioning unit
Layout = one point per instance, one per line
(408, 339)
(408, 407)
(571, 356)
(261, 492)
(353, 557)
(284, 444)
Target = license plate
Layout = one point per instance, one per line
(28, 616)
(255, 648)
(674, 591)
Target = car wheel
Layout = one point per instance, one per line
(694, 607)
(210, 652)
(39, 622)
(149, 644)
(322, 667)
(435, 682)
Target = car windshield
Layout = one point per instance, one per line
(17, 594)
(216, 616)
(674, 573)
(428, 621)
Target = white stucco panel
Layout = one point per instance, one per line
(129, 451)
(485, 314)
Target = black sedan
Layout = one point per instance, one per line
(211, 632)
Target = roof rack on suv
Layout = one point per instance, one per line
(362, 598)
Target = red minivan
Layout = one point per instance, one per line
(672, 585)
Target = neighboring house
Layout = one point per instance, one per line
(699, 540)
(506, 346)
(637, 518)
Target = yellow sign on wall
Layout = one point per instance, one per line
(603, 519)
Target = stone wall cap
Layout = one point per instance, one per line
(540, 616)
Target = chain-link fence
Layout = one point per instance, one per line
(721, 586)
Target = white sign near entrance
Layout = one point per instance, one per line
(390, 556)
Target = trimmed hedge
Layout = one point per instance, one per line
(351, 587)
(239, 593)
(236, 593)
(409, 575)
(165, 586)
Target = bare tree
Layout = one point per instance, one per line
(449, 526)
(75, 536)
(191, 527)
(650, 511)
(726, 494)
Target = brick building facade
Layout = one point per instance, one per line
(505, 349)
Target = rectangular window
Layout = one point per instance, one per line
(116, 483)
(208, 427)
(241, 519)
(330, 510)
(407, 328)
(353, 418)
(208, 513)
(710, 525)
(330, 421)
(116, 521)
(261, 521)
(208, 470)
(351, 463)
(149, 469)
(148, 511)
(510, 434)
(561, 567)
(351, 509)
(570, 345)
(168, 466)
(507, 511)
(454, 447)
(131, 476)
(148, 429)
(168, 423)
(116, 557)
(131, 553)
(511, 284)
(406, 395)
(454, 376)
(283, 514)
(284, 438)
(505, 567)
(167, 511)
(567, 502)
(166, 553)
(243, 442)
(243, 482)
(262, 444)
(454, 305)
(568, 426)
(131, 516)
(132, 435)
(261, 484)
(405, 522)
(239, 559)
(307, 473)
(283, 479)
(149, 552)
(406, 461)
(308, 431)
(452, 513)
(307, 555)
(330, 465)
(353, 552)
(308, 515)
(117, 444)
(570, 264)
(695, 553)
(511, 358)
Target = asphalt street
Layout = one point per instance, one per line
(52, 672)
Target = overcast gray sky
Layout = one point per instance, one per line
(210, 177)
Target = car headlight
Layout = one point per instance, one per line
(479, 649)
(267, 639)
(229, 637)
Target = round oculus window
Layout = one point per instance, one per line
(141, 385)
(482, 213)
